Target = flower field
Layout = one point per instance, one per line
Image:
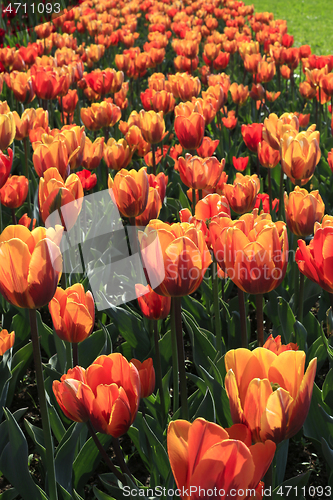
(166, 254)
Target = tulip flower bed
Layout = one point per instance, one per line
(166, 255)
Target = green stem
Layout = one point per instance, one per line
(300, 298)
(268, 478)
(177, 305)
(260, 319)
(120, 459)
(75, 347)
(281, 205)
(105, 456)
(153, 148)
(158, 367)
(43, 407)
(242, 312)
(200, 194)
(14, 217)
(194, 201)
(270, 190)
(217, 316)
(69, 358)
(175, 394)
(331, 300)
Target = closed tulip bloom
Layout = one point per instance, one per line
(74, 138)
(24, 123)
(21, 85)
(204, 455)
(275, 345)
(52, 155)
(303, 210)
(152, 210)
(239, 93)
(99, 115)
(275, 127)
(73, 313)
(252, 135)
(315, 260)
(69, 101)
(54, 193)
(6, 341)
(88, 180)
(190, 130)
(26, 221)
(176, 256)
(130, 191)
(240, 164)
(152, 126)
(200, 173)
(269, 393)
(30, 265)
(7, 130)
(268, 156)
(243, 193)
(117, 155)
(147, 376)
(330, 159)
(300, 154)
(107, 393)
(92, 153)
(159, 182)
(14, 193)
(6, 163)
(211, 205)
(208, 147)
(152, 305)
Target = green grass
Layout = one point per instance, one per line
(309, 21)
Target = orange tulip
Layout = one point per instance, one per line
(206, 456)
(275, 127)
(6, 163)
(152, 126)
(239, 93)
(268, 392)
(256, 257)
(13, 194)
(274, 344)
(24, 124)
(52, 155)
(268, 156)
(152, 305)
(159, 182)
(26, 221)
(47, 84)
(73, 313)
(200, 173)
(6, 341)
(99, 115)
(7, 130)
(303, 210)
(176, 256)
(74, 138)
(117, 155)
(243, 193)
(54, 193)
(130, 191)
(300, 154)
(314, 260)
(69, 101)
(190, 130)
(21, 85)
(211, 205)
(30, 265)
(208, 147)
(152, 210)
(147, 376)
(252, 135)
(93, 153)
(107, 393)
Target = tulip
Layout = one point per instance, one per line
(107, 393)
(252, 135)
(275, 127)
(239, 93)
(69, 102)
(303, 210)
(7, 130)
(13, 194)
(117, 155)
(26, 221)
(208, 147)
(93, 153)
(159, 182)
(99, 115)
(254, 256)
(204, 455)
(25, 123)
(300, 154)
(176, 257)
(200, 173)
(130, 191)
(330, 159)
(263, 199)
(73, 313)
(240, 164)
(190, 130)
(54, 193)
(243, 193)
(152, 126)
(147, 376)
(21, 85)
(88, 180)
(274, 344)
(268, 392)
(152, 305)
(268, 156)
(152, 210)
(6, 341)
(52, 155)
(30, 265)
(6, 163)
(314, 260)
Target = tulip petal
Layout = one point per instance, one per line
(177, 441)
(255, 403)
(275, 417)
(14, 267)
(262, 454)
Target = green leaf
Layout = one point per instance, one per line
(65, 457)
(184, 201)
(300, 336)
(14, 461)
(37, 436)
(21, 326)
(281, 457)
(327, 389)
(4, 427)
(206, 408)
(100, 495)
(316, 425)
(9, 494)
(219, 397)
(296, 484)
(287, 320)
(91, 348)
(160, 457)
(327, 452)
(319, 351)
(47, 336)
(201, 345)
(21, 361)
